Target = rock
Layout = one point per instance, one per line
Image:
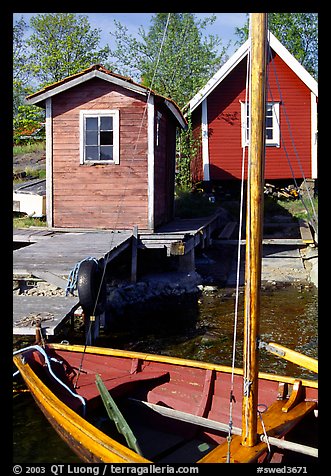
(208, 288)
(154, 287)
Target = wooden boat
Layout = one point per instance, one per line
(117, 406)
(177, 410)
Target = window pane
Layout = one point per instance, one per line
(106, 153)
(92, 123)
(99, 136)
(268, 121)
(106, 138)
(269, 134)
(91, 138)
(106, 123)
(91, 153)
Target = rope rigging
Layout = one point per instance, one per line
(313, 220)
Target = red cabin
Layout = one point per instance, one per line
(110, 152)
(220, 119)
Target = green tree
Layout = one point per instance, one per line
(173, 56)
(62, 44)
(28, 120)
(21, 72)
(187, 147)
(298, 32)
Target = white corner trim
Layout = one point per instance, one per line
(314, 138)
(150, 160)
(49, 163)
(205, 140)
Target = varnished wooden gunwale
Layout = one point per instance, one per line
(85, 439)
(177, 361)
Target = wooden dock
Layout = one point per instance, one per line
(52, 312)
(51, 256)
(181, 236)
(53, 253)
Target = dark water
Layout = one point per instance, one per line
(198, 328)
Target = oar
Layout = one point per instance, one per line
(116, 416)
(291, 355)
(216, 425)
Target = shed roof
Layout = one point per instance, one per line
(98, 71)
(235, 59)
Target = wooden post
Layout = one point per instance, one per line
(134, 254)
(254, 227)
(186, 262)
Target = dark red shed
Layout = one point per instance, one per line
(219, 118)
(110, 152)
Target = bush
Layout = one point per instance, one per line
(193, 204)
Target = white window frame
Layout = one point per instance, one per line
(275, 141)
(114, 113)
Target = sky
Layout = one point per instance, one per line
(224, 25)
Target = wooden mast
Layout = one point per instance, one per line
(254, 226)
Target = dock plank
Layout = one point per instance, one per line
(305, 232)
(228, 230)
(181, 234)
(59, 253)
(54, 256)
(54, 312)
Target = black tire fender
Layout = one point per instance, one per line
(89, 280)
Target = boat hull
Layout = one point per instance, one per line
(187, 387)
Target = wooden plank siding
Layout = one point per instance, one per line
(160, 166)
(112, 196)
(295, 122)
(196, 162)
(164, 171)
(224, 125)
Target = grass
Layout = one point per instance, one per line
(190, 205)
(26, 222)
(297, 208)
(29, 171)
(28, 148)
(31, 174)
